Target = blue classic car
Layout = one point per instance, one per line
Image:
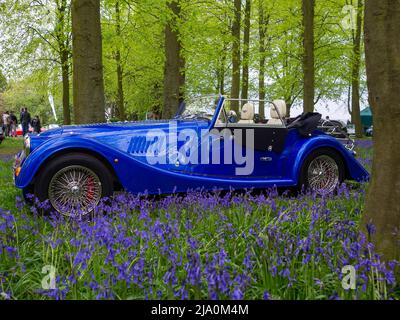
(206, 146)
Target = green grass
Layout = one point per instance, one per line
(11, 146)
(8, 192)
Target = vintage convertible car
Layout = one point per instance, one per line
(207, 146)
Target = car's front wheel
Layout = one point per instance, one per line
(74, 183)
(322, 172)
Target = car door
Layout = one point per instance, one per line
(267, 144)
(241, 152)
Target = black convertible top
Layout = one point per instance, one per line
(306, 123)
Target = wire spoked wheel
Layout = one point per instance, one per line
(323, 175)
(75, 190)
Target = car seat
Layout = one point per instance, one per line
(278, 112)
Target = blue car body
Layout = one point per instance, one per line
(123, 148)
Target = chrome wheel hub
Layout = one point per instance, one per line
(75, 190)
(323, 175)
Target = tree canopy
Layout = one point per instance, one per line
(260, 39)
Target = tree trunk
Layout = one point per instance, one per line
(88, 84)
(382, 46)
(308, 59)
(221, 72)
(120, 71)
(64, 55)
(246, 50)
(288, 107)
(65, 86)
(262, 50)
(355, 97)
(235, 89)
(174, 71)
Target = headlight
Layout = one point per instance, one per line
(27, 145)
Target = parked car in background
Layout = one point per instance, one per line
(370, 131)
(78, 165)
(351, 129)
(20, 132)
(43, 129)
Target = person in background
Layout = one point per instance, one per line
(25, 121)
(14, 124)
(36, 124)
(6, 124)
(2, 124)
(21, 116)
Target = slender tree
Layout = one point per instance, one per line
(263, 22)
(356, 62)
(235, 89)
(308, 57)
(88, 85)
(120, 71)
(382, 46)
(64, 51)
(174, 71)
(246, 51)
(221, 70)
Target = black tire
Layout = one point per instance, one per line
(304, 184)
(45, 175)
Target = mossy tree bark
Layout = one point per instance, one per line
(382, 45)
(174, 70)
(88, 83)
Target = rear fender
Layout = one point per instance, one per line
(354, 170)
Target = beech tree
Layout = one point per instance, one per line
(246, 50)
(120, 70)
(62, 34)
(261, 46)
(235, 86)
(174, 70)
(355, 80)
(308, 58)
(382, 49)
(37, 36)
(88, 85)
(220, 52)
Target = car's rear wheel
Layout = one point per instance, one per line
(74, 183)
(322, 172)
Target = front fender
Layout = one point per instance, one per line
(354, 170)
(51, 147)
